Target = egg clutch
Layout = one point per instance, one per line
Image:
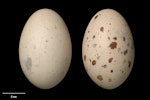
(45, 49)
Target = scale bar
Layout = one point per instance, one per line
(13, 93)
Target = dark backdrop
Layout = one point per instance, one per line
(76, 15)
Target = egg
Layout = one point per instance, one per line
(45, 49)
(108, 49)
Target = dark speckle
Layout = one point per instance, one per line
(124, 39)
(94, 62)
(104, 66)
(125, 52)
(100, 77)
(113, 45)
(109, 23)
(108, 38)
(88, 31)
(121, 52)
(94, 45)
(90, 60)
(28, 63)
(111, 71)
(96, 16)
(46, 41)
(98, 57)
(84, 57)
(110, 60)
(115, 38)
(87, 38)
(129, 64)
(102, 29)
(109, 80)
(93, 36)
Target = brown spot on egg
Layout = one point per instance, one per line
(98, 57)
(113, 45)
(109, 23)
(95, 16)
(111, 71)
(109, 80)
(100, 77)
(121, 52)
(108, 30)
(46, 41)
(94, 45)
(104, 66)
(93, 36)
(94, 62)
(88, 31)
(124, 39)
(110, 60)
(108, 38)
(102, 29)
(87, 38)
(125, 52)
(84, 57)
(129, 64)
(90, 60)
(88, 45)
(115, 38)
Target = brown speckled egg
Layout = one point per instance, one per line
(108, 49)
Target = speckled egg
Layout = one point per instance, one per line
(108, 49)
(45, 49)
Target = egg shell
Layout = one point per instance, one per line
(108, 49)
(45, 49)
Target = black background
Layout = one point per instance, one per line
(76, 15)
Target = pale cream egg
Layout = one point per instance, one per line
(45, 49)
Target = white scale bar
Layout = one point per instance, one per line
(13, 93)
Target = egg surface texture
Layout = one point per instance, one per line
(45, 49)
(108, 49)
